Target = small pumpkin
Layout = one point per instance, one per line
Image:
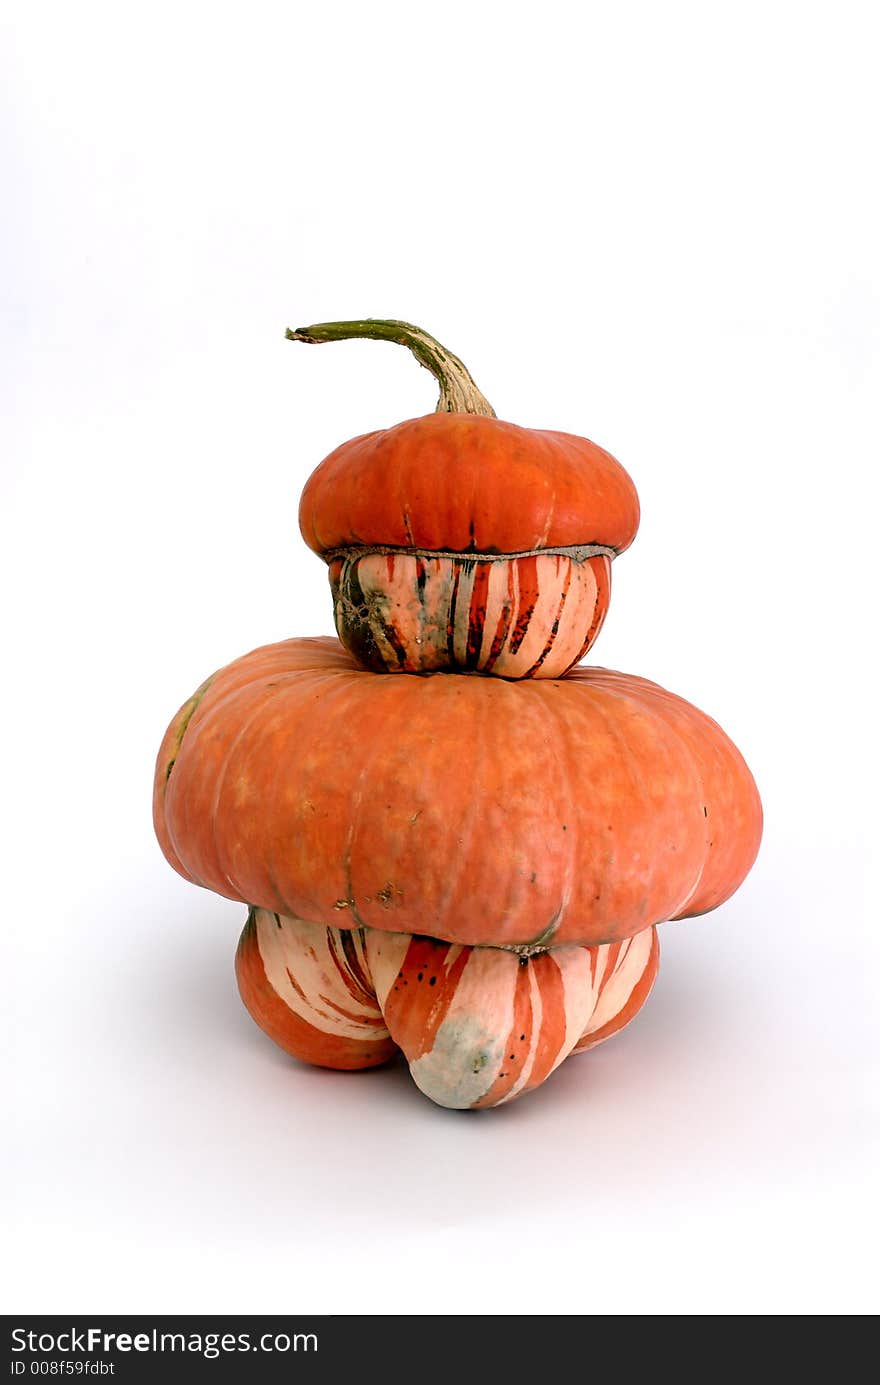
(458, 541)
(508, 839)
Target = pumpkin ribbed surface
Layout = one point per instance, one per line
(580, 810)
(468, 484)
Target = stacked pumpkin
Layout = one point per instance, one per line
(453, 842)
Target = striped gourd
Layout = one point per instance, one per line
(514, 615)
(479, 1026)
(457, 541)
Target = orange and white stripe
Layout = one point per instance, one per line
(310, 989)
(517, 616)
(623, 975)
(479, 1026)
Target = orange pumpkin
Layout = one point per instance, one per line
(507, 839)
(460, 542)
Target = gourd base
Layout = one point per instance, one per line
(479, 1026)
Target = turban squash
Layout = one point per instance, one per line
(467, 869)
(460, 542)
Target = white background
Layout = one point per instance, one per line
(655, 225)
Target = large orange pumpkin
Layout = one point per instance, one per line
(460, 542)
(507, 840)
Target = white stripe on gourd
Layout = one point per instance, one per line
(574, 966)
(302, 962)
(418, 617)
(613, 991)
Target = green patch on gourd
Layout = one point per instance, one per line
(186, 714)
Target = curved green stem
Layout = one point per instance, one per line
(458, 393)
